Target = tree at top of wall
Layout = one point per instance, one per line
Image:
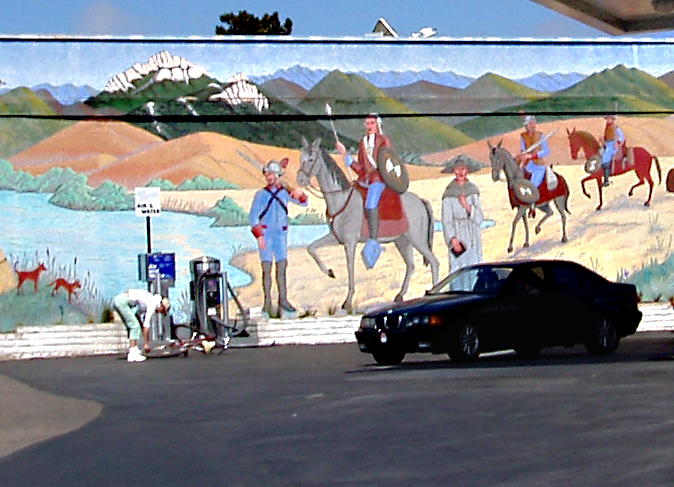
(244, 23)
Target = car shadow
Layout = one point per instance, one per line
(642, 347)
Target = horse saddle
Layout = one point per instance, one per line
(623, 160)
(545, 193)
(392, 217)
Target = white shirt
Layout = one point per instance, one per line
(147, 302)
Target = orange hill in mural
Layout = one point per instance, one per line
(656, 134)
(130, 156)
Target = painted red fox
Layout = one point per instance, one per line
(70, 287)
(33, 275)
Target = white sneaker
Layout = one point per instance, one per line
(135, 355)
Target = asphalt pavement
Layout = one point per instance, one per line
(327, 416)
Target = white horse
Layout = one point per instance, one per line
(344, 209)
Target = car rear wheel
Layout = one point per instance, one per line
(465, 346)
(604, 338)
(388, 355)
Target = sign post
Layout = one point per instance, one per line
(148, 204)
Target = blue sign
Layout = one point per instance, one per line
(162, 264)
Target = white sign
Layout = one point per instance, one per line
(148, 202)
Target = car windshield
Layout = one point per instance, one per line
(479, 279)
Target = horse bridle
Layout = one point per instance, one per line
(318, 193)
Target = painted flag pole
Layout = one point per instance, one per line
(328, 111)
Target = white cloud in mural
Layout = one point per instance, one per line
(105, 18)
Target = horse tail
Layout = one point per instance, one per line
(568, 194)
(431, 227)
(657, 166)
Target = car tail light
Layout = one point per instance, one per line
(434, 320)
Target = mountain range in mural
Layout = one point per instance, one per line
(187, 122)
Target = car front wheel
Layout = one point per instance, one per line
(465, 346)
(388, 355)
(604, 338)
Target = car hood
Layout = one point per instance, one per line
(428, 303)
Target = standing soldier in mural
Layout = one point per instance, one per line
(134, 303)
(366, 168)
(462, 214)
(269, 223)
(614, 139)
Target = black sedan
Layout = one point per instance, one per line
(523, 306)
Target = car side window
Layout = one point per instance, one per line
(527, 280)
(566, 279)
(574, 281)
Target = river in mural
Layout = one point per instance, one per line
(107, 243)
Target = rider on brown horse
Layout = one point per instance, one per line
(614, 141)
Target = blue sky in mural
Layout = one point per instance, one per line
(94, 64)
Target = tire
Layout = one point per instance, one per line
(387, 355)
(465, 346)
(604, 338)
(528, 351)
(166, 351)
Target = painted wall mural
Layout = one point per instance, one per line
(83, 122)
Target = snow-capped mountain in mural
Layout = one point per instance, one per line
(164, 67)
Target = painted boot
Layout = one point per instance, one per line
(266, 288)
(607, 174)
(284, 306)
(372, 249)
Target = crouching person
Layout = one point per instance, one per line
(132, 304)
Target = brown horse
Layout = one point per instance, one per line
(580, 139)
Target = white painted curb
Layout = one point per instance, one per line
(30, 342)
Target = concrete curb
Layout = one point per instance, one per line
(30, 342)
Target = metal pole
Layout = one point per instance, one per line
(149, 234)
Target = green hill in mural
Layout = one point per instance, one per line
(17, 134)
(488, 93)
(627, 89)
(279, 125)
(145, 90)
(351, 94)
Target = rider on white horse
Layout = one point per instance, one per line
(369, 176)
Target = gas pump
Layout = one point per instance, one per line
(210, 291)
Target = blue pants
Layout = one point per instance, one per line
(609, 152)
(537, 173)
(277, 246)
(125, 310)
(374, 193)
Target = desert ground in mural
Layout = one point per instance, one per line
(622, 237)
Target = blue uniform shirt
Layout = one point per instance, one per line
(270, 210)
